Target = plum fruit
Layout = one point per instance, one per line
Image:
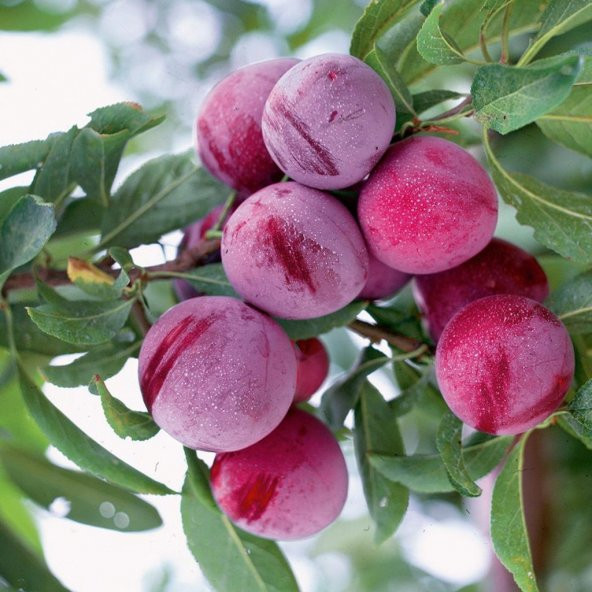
(290, 485)
(427, 206)
(294, 252)
(229, 139)
(383, 281)
(313, 367)
(328, 120)
(500, 268)
(504, 363)
(216, 374)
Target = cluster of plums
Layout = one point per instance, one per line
(221, 375)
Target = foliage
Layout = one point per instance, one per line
(91, 306)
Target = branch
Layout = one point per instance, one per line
(375, 333)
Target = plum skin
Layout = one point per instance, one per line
(313, 367)
(428, 206)
(290, 485)
(216, 374)
(328, 120)
(294, 252)
(383, 281)
(500, 268)
(228, 128)
(504, 363)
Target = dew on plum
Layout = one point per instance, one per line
(313, 367)
(383, 281)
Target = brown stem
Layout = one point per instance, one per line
(140, 318)
(375, 333)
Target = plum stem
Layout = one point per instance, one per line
(376, 333)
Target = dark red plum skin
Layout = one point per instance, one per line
(229, 139)
(328, 121)
(216, 374)
(313, 367)
(504, 364)
(428, 206)
(500, 268)
(294, 252)
(288, 486)
(383, 281)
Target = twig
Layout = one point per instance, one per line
(375, 333)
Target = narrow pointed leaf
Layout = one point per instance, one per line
(572, 303)
(449, 444)
(18, 158)
(231, 559)
(508, 525)
(376, 429)
(84, 498)
(434, 45)
(82, 450)
(126, 423)
(209, 279)
(581, 406)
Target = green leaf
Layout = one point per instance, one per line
(18, 158)
(80, 448)
(434, 45)
(559, 17)
(342, 396)
(384, 67)
(430, 98)
(22, 568)
(9, 197)
(378, 17)
(581, 406)
(94, 281)
(426, 473)
(106, 360)
(209, 279)
(137, 425)
(507, 98)
(52, 181)
(427, 6)
(82, 322)
(123, 257)
(508, 525)
(570, 124)
(575, 429)
(416, 391)
(89, 500)
(308, 328)
(24, 231)
(165, 194)
(449, 444)
(80, 214)
(572, 303)
(562, 220)
(376, 429)
(231, 559)
(3, 78)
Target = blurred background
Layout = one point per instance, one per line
(64, 58)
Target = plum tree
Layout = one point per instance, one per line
(328, 121)
(229, 139)
(383, 281)
(504, 363)
(500, 268)
(313, 367)
(294, 252)
(428, 206)
(290, 485)
(216, 374)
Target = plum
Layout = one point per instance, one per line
(328, 120)
(294, 252)
(290, 485)
(500, 268)
(216, 374)
(229, 139)
(383, 281)
(428, 206)
(504, 363)
(313, 367)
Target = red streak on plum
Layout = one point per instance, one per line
(177, 340)
(494, 392)
(332, 116)
(255, 495)
(287, 251)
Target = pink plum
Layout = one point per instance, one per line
(313, 367)
(383, 281)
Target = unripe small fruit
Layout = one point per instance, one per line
(428, 206)
(229, 139)
(290, 485)
(504, 364)
(295, 252)
(500, 268)
(328, 121)
(313, 367)
(216, 374)
(383, 281)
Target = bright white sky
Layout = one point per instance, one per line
(55, 80)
